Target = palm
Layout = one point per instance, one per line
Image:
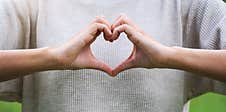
(137, 59)
(85, 59)
(141, 59)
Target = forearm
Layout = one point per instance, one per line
(210, 63)
(16, 63)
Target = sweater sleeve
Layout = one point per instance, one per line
(14, 34)
(205, 25)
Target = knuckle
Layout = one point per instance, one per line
(93, 25)
(137, 41)
(116, 30)
(124, 18)
(97, 25)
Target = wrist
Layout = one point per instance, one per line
(168, 57)
(174, 58)
(52, 58)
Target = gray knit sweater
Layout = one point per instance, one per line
(39, 23)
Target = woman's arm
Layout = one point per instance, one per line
(210, 63)
(74, 54)
(15, 63)
(148, 53)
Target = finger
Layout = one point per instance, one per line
(116, 33)
(94, 31)
(106, 31)
(130, 32)
(123, 19)
(129, 63)
(101, 19)
(118, 21)
(122, 67)
(100, 65)
(120, 15)
(98, 27)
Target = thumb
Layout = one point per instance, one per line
(122, 67)
(127, 64)
(100, 65)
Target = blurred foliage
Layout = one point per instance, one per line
(10, 107)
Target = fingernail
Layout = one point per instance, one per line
(112, 27)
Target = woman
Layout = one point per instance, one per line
(46, 25)
(147, 53)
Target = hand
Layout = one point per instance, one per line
(146, 53)
(76, 53)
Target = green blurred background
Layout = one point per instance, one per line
(10, 107)
(13, 106)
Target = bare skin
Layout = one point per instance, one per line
(73, 55)
(147, 53)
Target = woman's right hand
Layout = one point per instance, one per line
(76, 53)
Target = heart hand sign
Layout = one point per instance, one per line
(76, 54)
